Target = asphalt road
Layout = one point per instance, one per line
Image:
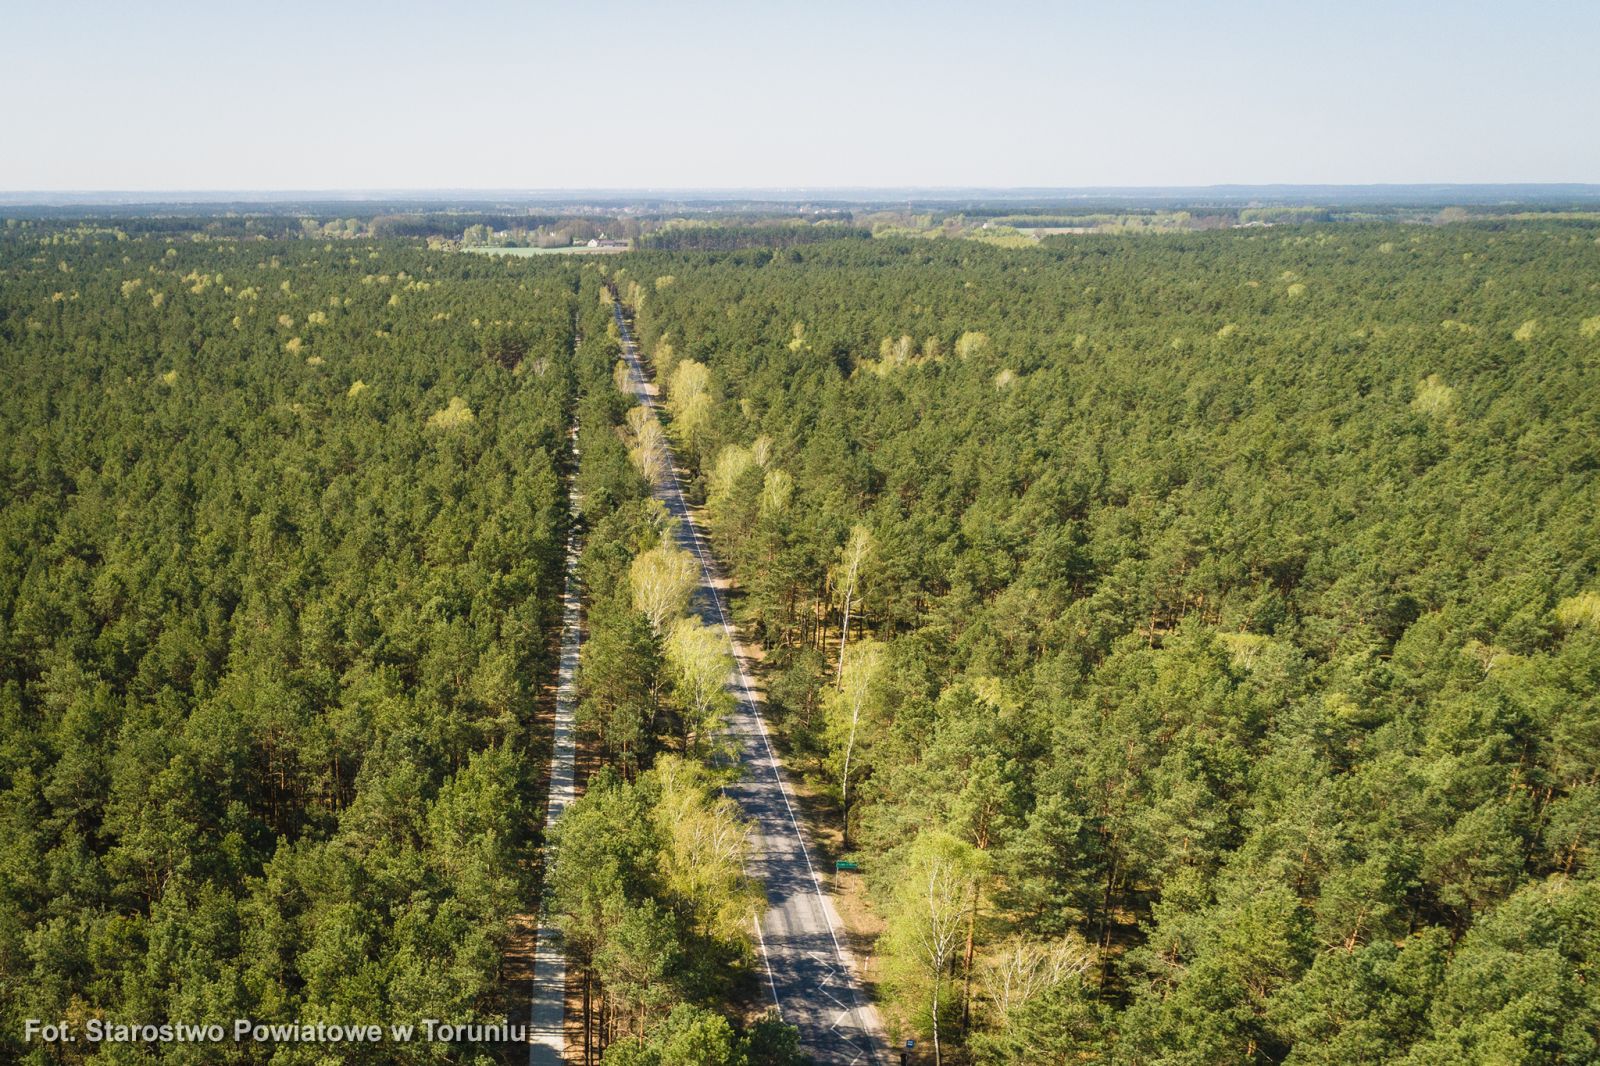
(807, 972)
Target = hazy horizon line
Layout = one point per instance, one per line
(874, 193)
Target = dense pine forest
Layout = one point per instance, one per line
(1198, 636)
(281, 548)
(1192, 637)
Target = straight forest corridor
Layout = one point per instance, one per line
(808, 971)
(545, 1015)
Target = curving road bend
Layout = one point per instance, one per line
(808, 970)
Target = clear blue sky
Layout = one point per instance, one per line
(666, 94)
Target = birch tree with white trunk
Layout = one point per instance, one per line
(701, 663)
(928, 919)
(853, 559)
(849, 709)
(663, 578)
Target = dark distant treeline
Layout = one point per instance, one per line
(339, 220)
(731, 237)
(258, 227)
(452, 224)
